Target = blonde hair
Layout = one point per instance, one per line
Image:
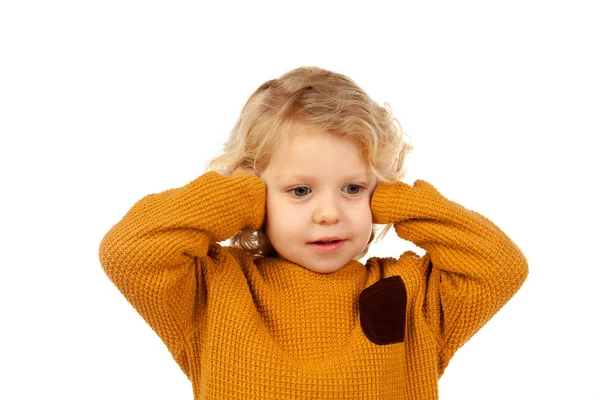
(326, 101)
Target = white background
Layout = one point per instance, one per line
(104, 102)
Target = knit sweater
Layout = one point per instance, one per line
(242, 327)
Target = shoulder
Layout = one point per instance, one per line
(411, 267)
(393, 265)
(225, 259)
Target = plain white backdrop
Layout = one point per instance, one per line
(104, 102)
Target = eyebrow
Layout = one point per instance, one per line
(357, 176)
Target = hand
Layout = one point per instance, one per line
(242, 171)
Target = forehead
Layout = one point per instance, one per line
(315, 153)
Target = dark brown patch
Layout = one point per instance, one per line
(382, 308)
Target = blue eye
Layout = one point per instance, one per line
(301, 191)
(354, 189)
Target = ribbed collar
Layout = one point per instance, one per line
(292, 276)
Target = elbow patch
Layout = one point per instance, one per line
(382, 309)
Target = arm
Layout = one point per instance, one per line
(473, 268)
(154, 254)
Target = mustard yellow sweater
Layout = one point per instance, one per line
(266, 328)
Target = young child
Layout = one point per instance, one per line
(286, 311)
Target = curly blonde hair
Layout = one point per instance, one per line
(326, 101)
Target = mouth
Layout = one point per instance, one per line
(327, 240)
(327, 245)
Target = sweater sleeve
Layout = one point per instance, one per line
(154, 254)
(472, 267)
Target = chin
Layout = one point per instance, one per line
(325, 269)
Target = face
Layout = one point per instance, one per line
(318, 188)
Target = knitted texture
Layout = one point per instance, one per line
(266, 328)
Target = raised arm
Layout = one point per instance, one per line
(154, 254)
(473, 268)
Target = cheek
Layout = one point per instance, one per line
(271, 203)
(281, 218)
(276, 208)
(363, 219)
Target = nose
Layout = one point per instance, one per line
(327, 212)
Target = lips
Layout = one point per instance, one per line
(327, 239)
(331, 246)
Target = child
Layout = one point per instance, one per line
(287, 311)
